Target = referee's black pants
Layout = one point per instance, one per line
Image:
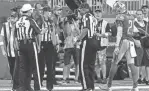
(16, 72)
(27, 63)
(46, 58)
(56, 58)
(11, 61)
(87, 65)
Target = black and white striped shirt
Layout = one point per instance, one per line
(47, 36)
(26, 28)
(89, 21)
(6, 32)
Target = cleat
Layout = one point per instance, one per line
(105, 87)
(104, 81)
(99, 80)
(134, 89)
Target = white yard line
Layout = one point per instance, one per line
(79, 88)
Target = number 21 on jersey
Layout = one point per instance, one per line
(131, 26)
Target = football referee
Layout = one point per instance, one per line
(46, 55)
(88, 49)
(25, 32)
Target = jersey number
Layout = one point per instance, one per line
(130, 23)
(130, 28)
(22, 24)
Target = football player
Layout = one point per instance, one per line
(124, 45)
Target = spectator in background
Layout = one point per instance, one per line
(145, 42)
(71, 33)
(103, 28)
(145, 12)
(139, 32)
(56, 35)
(142, 69)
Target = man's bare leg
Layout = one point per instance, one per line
(116, 58)
(134, 73)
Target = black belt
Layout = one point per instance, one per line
(27, 41)
(46, 42)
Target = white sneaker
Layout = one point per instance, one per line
(134, 89)
(105, 87)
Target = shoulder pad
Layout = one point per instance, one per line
(120, 17)
(130, 16)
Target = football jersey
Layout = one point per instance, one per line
(127, 24)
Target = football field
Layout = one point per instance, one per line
(118, 85)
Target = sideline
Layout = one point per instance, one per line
(79, 88)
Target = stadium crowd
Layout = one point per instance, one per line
(34, 36)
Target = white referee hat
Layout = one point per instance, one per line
(26, 7)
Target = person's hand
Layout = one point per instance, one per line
(137, 43)
(57, 48)
(4, 53)
(77, 43)
(44, 30)
(98, 34)
(116, 50)
(104, 35)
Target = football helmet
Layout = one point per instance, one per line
(119, 7)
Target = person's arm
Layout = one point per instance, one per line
(37, 29)
(107, 33)
(2, 41)
(83, 34)
(2, 36)
(119, 24)
(119, 35)
(137, 34)
(84, 31)
(16, 43)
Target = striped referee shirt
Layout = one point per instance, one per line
(90, 22)
(47, 36)
(26, 28)
(6, 32)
